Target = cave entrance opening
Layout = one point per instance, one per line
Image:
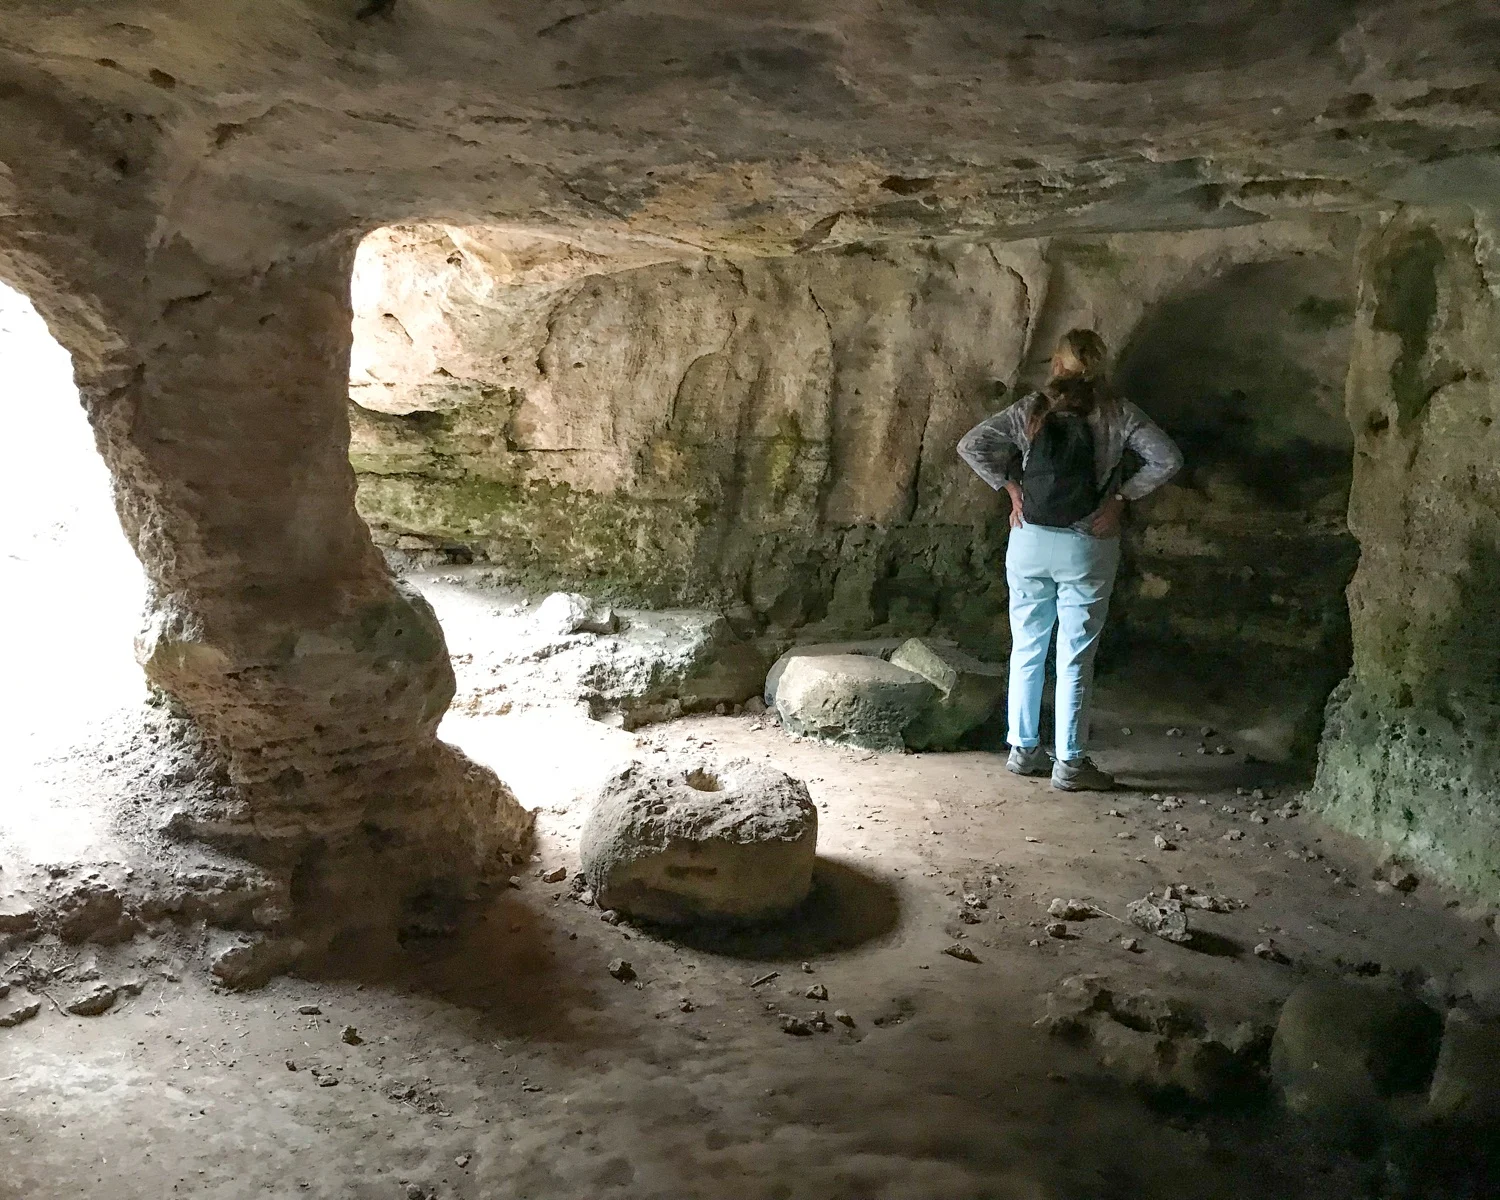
(71, 588)
(1234, 587)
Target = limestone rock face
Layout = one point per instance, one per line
(852, 698)
(780, 432)
(1343, 1049)
(968, 692)
(1403, 760)
(707, 841)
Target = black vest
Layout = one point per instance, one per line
(1058, 487)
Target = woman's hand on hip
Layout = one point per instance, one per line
(1107, 519)
(1013, 490)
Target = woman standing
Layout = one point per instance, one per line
(1067, 499)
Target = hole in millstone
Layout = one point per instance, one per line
(703, 781)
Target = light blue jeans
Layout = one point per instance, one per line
(1064, 578)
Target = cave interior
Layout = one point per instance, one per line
(515, 414)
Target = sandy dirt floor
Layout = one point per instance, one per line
(505, 1061)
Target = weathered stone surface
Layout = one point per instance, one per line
(1466, 1080)
(1158, 1043)
(1341, 1049)
(1408, 758)
(708, 841)
(870, 647)
(655, 666)
(690, 432)
(17, 1007)
(852, 698)
(563, 613)
(17, 915)
(93, 1001)
(248, 962)
(968, 692)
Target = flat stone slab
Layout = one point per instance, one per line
(969, 690)
(852, 698)
(701, 841)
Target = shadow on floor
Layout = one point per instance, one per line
(847, 908)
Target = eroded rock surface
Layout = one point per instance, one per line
(852, 698)
(968, 692)
(706, 841)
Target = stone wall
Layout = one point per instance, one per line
(1411, 755)
(778, 434)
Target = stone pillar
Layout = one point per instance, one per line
(1411, 750)
(273, 620)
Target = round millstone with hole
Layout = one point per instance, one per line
(701, 841)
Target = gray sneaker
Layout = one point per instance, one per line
(1080, 775)
(1028, 760)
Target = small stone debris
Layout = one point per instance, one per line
(1114, 812)
(1223, 750)
(1125, 837)
(1163, 844)
(556, 875)
(1234, 835)
(843, 1018)
(621, 969)
(1163, 915)
(796, 1026)
(1174, 732)
(350, 1036)
(974, 900)
(1072, 910)
(816, 992)
(413, 1192)
(807, 968)
(95, 1001)
(324, 1078)
(1125, 730)
(959, 951)
(1269, 951)
(1057, 929)
(514, 881)
(462, 1160)
(1029, 838)
(1258, 819)
(685, 1005)
(766, 978)
(1207, 731)
(309, 1010)
(1169, 803)
(586, 898)
(610, 917)
(968, 916)
(1130, 943)
(17, 1011)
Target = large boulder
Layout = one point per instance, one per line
(852, 698)
(968, 691)
(869, 647)
(1343, 1049)
(701, 842)
(1466, 1081)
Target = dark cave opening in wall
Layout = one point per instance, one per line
(1236, 573)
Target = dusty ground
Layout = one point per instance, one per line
(507, 1062)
